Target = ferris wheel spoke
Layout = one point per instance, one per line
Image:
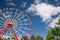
(1, 27)
(7, 16)
(10, 33)
(22, 31)
(24, 28)
(1, 24)
(21, 17)
(24, 20)
(1, 21)
(24, 24)
(14, 14)
(10, 15)
(6, 33)
(1, 18)
(18, 16)
(3, 15)
(18, 33)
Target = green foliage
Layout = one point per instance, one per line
(25, 38)
(50, 35)
(39, 38)
(32, 37)
(54, 34)
(36, 38)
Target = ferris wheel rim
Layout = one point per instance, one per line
(20, 10)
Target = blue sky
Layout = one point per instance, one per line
(44, 13)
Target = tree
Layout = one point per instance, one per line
(58, 29)
(50, 35)
(54, 34)
(32, 37)
(39, 38)
(24, 38)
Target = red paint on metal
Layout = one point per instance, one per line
(16, 36)
(9, 25)
(3, 30)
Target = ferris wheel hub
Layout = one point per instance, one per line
(10, 22)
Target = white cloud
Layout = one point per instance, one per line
(45, 11)
(52, 24)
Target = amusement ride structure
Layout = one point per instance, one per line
(15, 23)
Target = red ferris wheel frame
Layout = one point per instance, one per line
(11, 25)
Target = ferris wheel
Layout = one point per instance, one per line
(14, 23)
